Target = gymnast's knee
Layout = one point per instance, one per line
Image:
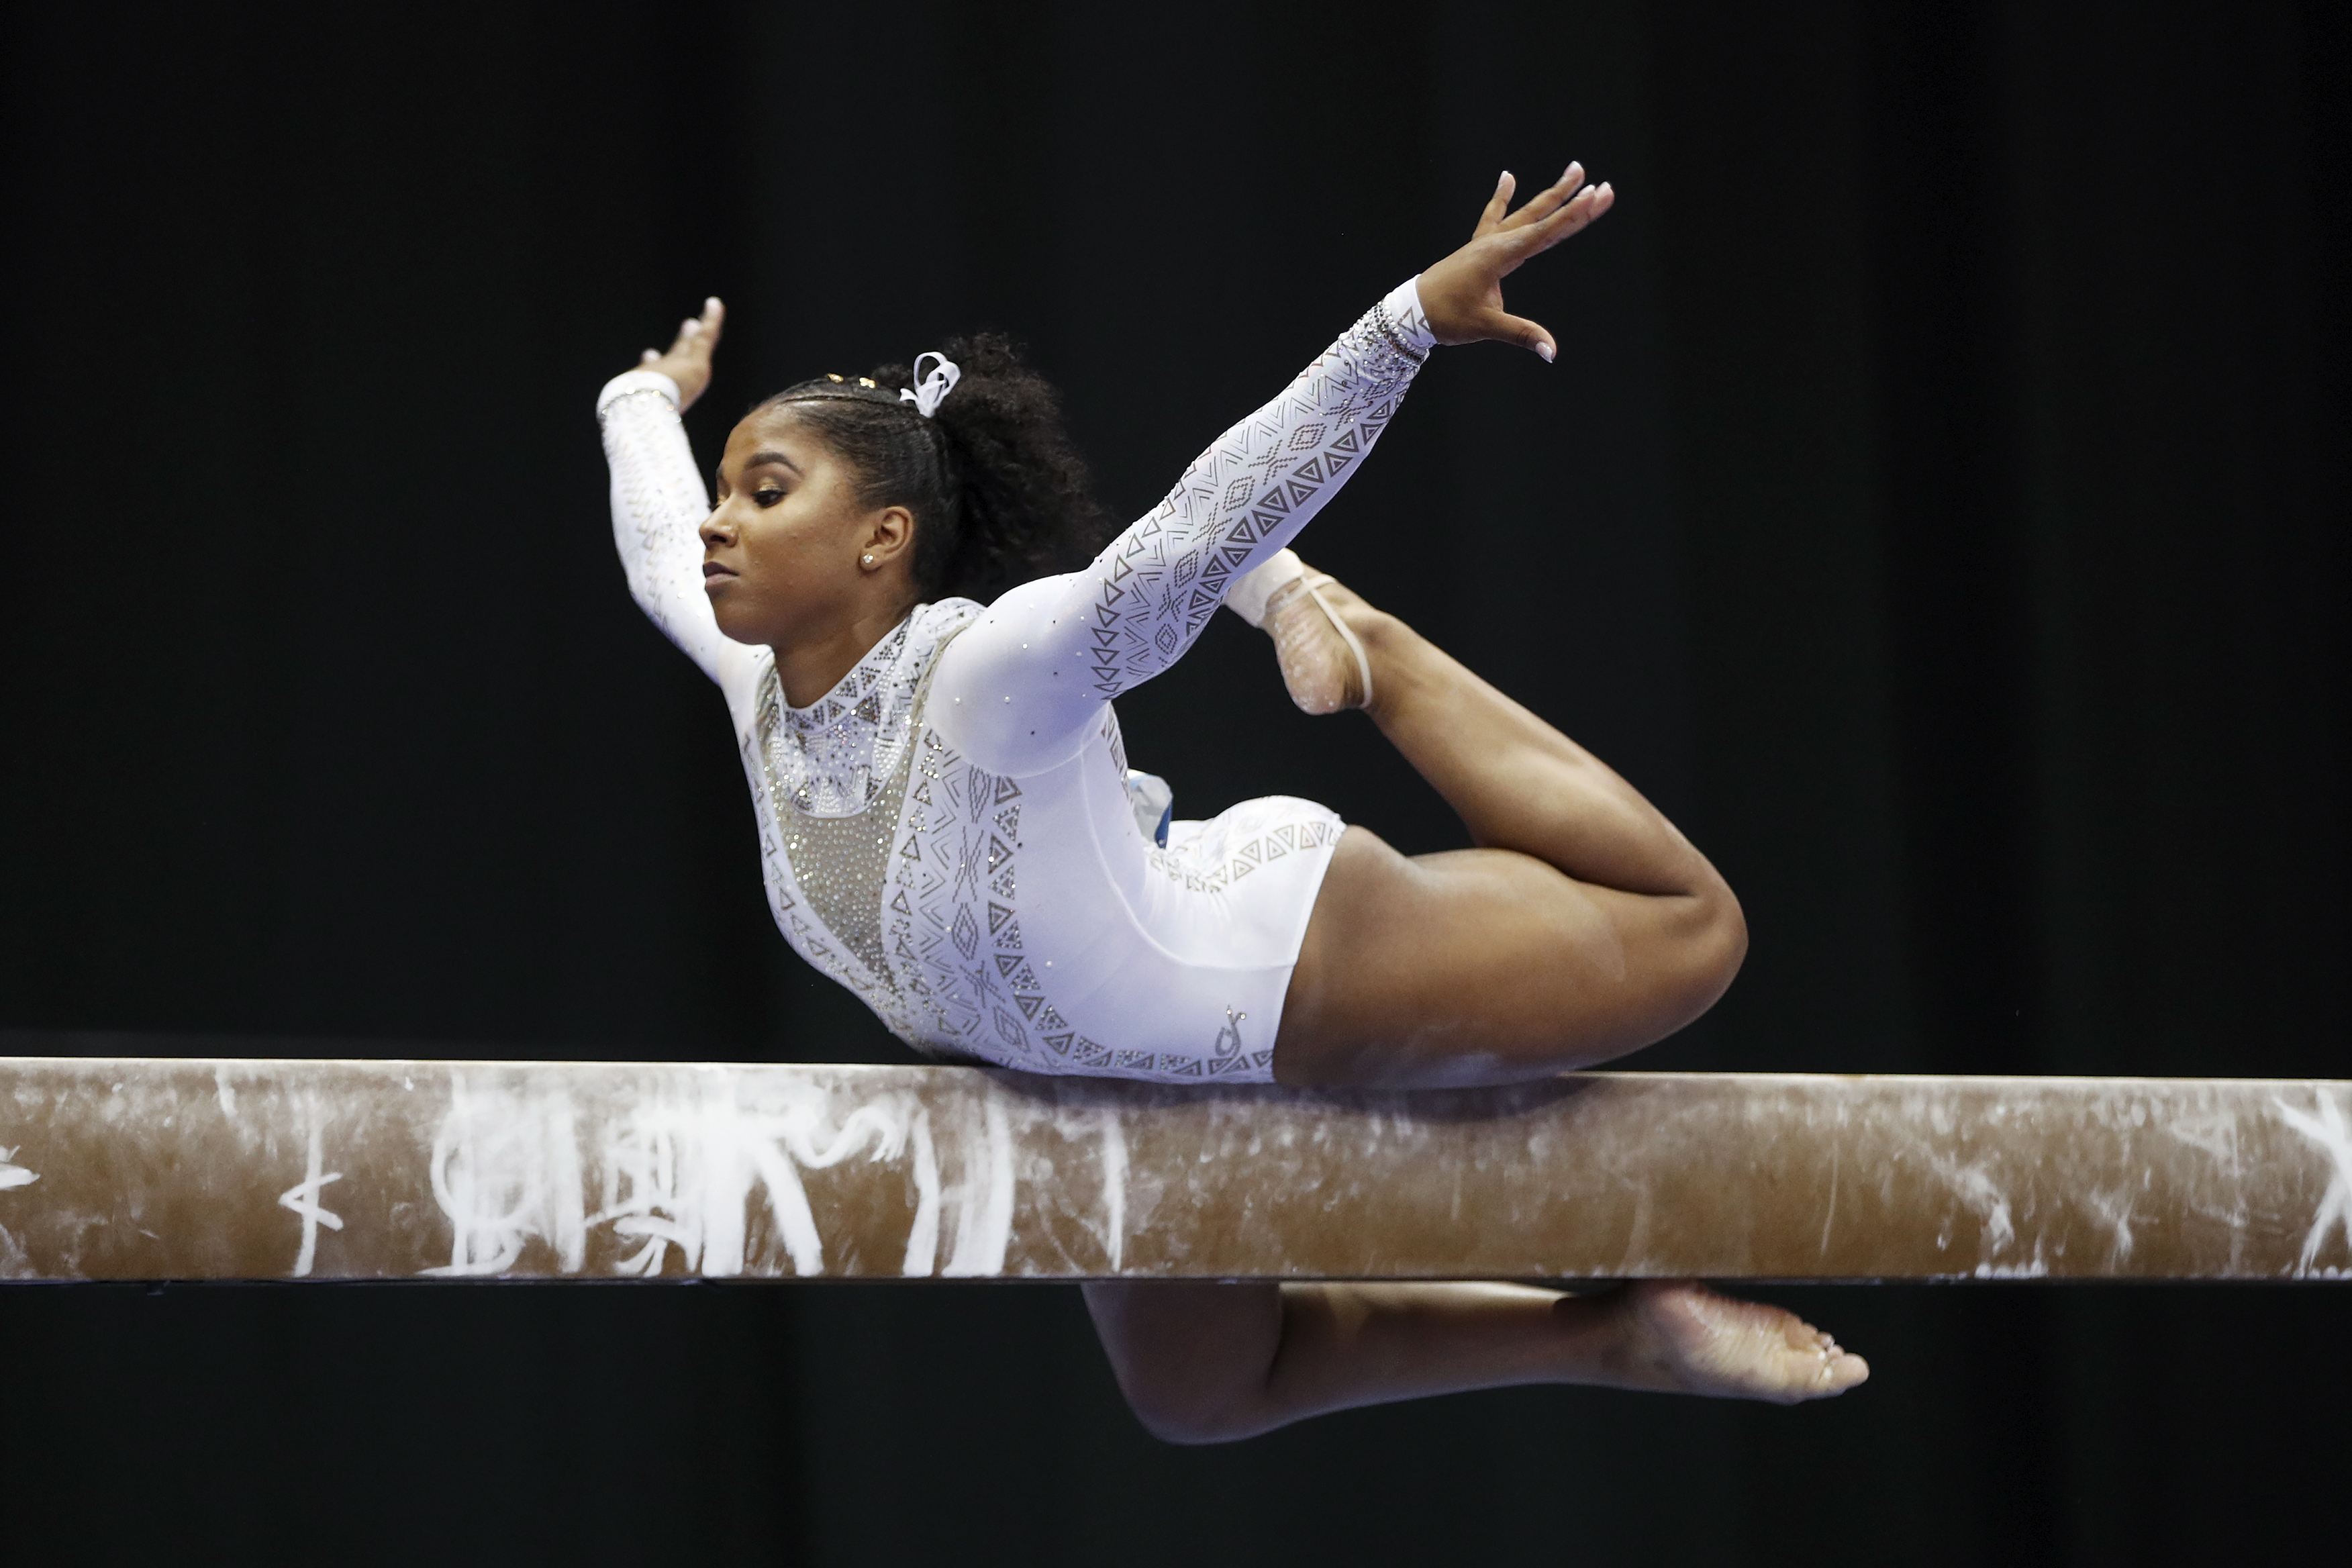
(1192, 1358)
(1193, 1402)
(1179, 1415)
(1715, 947)
(1685, 956)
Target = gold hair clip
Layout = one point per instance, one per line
(864, 380)
(830, 376)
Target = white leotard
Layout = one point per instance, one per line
(948, 832)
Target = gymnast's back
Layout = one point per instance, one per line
(948, 829)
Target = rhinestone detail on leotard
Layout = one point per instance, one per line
(850, 744)
(834, 757)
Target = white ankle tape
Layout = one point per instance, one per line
(1248, 595)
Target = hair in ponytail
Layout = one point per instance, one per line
(998, 493)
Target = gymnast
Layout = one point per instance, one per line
(904, 593)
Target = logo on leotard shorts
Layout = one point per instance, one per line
(1229, 1039)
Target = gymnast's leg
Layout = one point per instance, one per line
(1583, 927)
(1208, 1362)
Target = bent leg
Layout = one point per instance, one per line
(1209, 1363)
(1483, 966)
(1584, 925)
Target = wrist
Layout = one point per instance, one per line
(636, 383)
(1407, 318)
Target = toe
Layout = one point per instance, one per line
(1843, 1370)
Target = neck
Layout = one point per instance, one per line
(809, 669)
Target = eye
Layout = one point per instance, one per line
(767, 495)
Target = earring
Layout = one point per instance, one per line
(868, 560)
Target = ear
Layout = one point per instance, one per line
(889, 534)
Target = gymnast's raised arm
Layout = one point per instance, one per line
(1050, 653)
(658, 499)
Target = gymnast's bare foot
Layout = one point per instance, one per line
(1681, 1336)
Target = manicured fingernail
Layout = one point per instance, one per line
(1501, 177)
(648, 356)
(711, 304)
(1545, 350)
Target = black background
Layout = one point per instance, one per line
(1939, 508)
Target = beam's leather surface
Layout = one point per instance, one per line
(145, 1168)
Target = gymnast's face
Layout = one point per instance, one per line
(790, 556)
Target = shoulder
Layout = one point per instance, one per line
(1016, 689)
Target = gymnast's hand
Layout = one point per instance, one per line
(689, 360)
(1464, 293)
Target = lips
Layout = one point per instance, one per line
(714, 574)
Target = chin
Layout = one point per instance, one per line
(730, 625)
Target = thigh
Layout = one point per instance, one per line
(1483, 966)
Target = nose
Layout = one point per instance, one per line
(716, 528)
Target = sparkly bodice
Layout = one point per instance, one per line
(832, 780)
(833, 758)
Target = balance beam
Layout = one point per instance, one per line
(178, 1169)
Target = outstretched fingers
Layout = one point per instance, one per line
(1548, 200)
(697, 335)
(1499, 206)
(1549, 216)
(1578, 211)
(1463, 294)
(687, 361)
(1532, 241)
(1498, 214)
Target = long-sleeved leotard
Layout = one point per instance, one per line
(947, 832)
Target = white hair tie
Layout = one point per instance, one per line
(930, 391)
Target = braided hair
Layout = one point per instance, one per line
(998, 493)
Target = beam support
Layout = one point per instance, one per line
(149, 1169)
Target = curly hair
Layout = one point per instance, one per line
(999, 494)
